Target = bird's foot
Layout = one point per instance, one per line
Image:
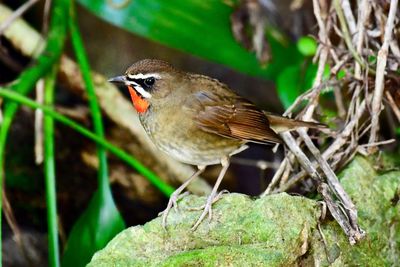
(207, 208)
(216, 198)
(172, 203)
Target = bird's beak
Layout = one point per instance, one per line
(118, 79)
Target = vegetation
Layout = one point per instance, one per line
(342, 72)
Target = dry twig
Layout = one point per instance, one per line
(356, 33)
(380, 73)
(16, 14)
(393, 105)
(39, 123)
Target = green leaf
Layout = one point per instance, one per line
(341, 74)
(98, 224)
(288, 85)
(294, 81)
(307, 46)
(199, 27)
(310, 73)
(372, 59)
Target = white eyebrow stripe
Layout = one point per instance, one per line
(140, 89)
(143, 76)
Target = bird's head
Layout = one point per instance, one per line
(148, 80)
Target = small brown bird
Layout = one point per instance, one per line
(198, 120)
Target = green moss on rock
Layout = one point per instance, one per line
(276, 230)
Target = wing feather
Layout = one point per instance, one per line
(234, 117)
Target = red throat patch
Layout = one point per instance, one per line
(140, 104)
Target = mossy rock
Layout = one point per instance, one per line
(276, 230)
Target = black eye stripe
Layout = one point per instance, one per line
(139, 81)
(146, 83)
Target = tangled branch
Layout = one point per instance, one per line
(358, 101)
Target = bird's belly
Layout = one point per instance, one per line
(186, 143)
(197, 154)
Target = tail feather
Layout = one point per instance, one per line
(281, 124)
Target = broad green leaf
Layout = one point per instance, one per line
(199, 27)
(98, 224)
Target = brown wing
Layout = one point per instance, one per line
(230, 115)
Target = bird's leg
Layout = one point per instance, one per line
(177, 193)
(212, 196)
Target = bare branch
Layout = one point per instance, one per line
(16, 14)
(393, 105)
(380, 73)
(346, 34)
(349, 16)
(364, 10)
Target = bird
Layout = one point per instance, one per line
(198, 120)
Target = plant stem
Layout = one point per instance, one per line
(77, 44)
(51, 53)
(49, 168)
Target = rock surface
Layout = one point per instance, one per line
(276, 230)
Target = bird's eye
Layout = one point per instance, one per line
(149, 81)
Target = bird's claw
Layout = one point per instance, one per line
(207, 208)
(172, 203)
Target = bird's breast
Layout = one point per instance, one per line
(174, 132)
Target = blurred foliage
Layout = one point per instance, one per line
(341, 74)
(19, 175)
(295, 80)
(28, 78)
(199, 27)
(307, 46)
(165, 188)
(101, 220)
